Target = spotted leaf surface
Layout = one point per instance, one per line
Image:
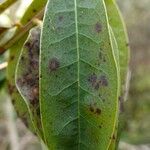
(27, 75)
(21, 106)
(79, 76)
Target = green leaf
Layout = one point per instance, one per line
(79, 76)
(17, 100)
(118, 27)
(19, 103)
(119, 30)
(116, 52)
(27, 75)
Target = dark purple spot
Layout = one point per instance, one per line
(25, 121)
(22, 58)
(12, 58)
(60, 18)
(34, 10)
(113, 137)
(98, 27)
(13, 101)
(97, 86)
(98, 111)
(54, 64)
(92, 79)
(11, 89)
(91, 109)
(103, 81)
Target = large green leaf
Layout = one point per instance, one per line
(79, 76)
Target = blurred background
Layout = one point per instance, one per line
(136, 134)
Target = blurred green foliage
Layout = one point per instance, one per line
(137, 108)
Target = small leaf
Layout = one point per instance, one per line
(17, 100)
(119, 30)
(27, 75)
(79, 76)
(19, 103)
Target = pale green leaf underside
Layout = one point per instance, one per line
(118, 27)
(79, 76)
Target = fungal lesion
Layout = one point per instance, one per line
(98, 81)
(60, 18)
(27, 78)
(98, 27)
(54, 64)
(11, 88)
(28, 68)
(94, 109)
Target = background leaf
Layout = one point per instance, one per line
(19, 103)
(118, 28)
(27, 75)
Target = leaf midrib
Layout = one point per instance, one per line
(78, 66)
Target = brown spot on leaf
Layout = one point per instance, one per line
(91, 109)
(29, 79)
(103, 81)
(97, 86)
(12, 58)
(94, 109)
(114, 137)
(34, 10)
(61, 18)
(98, 111)
(54, 64)
(92, 79)
(98, 27)
(25, 121)
(11, 89)
(96, 83)
(13, 101)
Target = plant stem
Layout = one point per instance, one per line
(6, 4)
(21, 31)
